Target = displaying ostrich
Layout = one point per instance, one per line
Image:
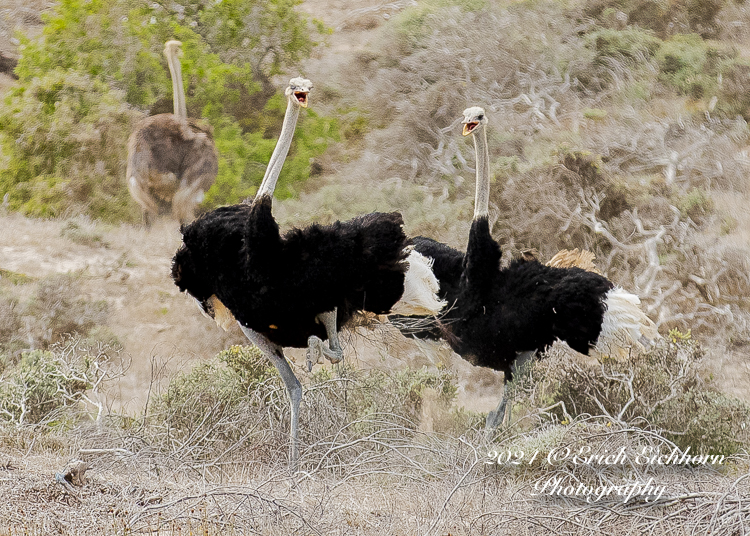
(172, 160)
(496, 316)
(295, 289)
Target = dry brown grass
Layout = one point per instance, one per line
(435, 484)
(213, 461)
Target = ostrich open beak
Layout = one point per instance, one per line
(469, 127)
(301, 97)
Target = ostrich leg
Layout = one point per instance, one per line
(315, 347)
(501, 414)
(293, 387)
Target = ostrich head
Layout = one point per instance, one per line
(190, 275)
(173, 49)
(474, 118)
(298, 88)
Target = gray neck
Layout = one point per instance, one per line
(279, 153)
(178, 91)
(482, 195)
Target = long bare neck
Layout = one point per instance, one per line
(279, 153)
(482, 195)
(178, 91)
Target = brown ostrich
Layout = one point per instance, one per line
(172, 160)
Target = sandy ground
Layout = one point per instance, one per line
(157, 325)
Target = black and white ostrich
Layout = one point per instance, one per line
(500, 317)
(297, 288)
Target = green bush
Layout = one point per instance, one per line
(217, 404)
(615, 53)
(53, 386)
(696, 204)
(243, 157)
(240, 398)
(36, 387)
(65, 134)
(683, 65)
(66, 125)
(248, 363)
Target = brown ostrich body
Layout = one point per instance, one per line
(172, 160)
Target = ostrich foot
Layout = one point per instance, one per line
(316, 350)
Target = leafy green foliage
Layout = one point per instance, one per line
(66, 136)
(66, 126)
(682, 64)
(248, 363)
(266, 34)
(243, 157)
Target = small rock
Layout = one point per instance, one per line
(74, 472)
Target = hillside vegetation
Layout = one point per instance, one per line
(609, 131)
(618, 126)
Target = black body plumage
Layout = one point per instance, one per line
(277, 284)
(493, 313)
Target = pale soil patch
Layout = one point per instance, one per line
(160, 327)
(131, 273)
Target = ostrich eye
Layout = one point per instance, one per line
(480, 117)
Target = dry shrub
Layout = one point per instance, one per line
(689, 152)
(663, 389)
(55, 386)
(236, 409)
(57, 308)
(426, 211)
(650, 237)
(38, 314)
(10, 324)
(222, 407)
(83, 231)
(665, 18)
(438, 58)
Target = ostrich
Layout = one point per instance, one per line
(297, 288)
(500, 317)
(172, 160)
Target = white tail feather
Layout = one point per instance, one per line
(624, 325)
(420, 288)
